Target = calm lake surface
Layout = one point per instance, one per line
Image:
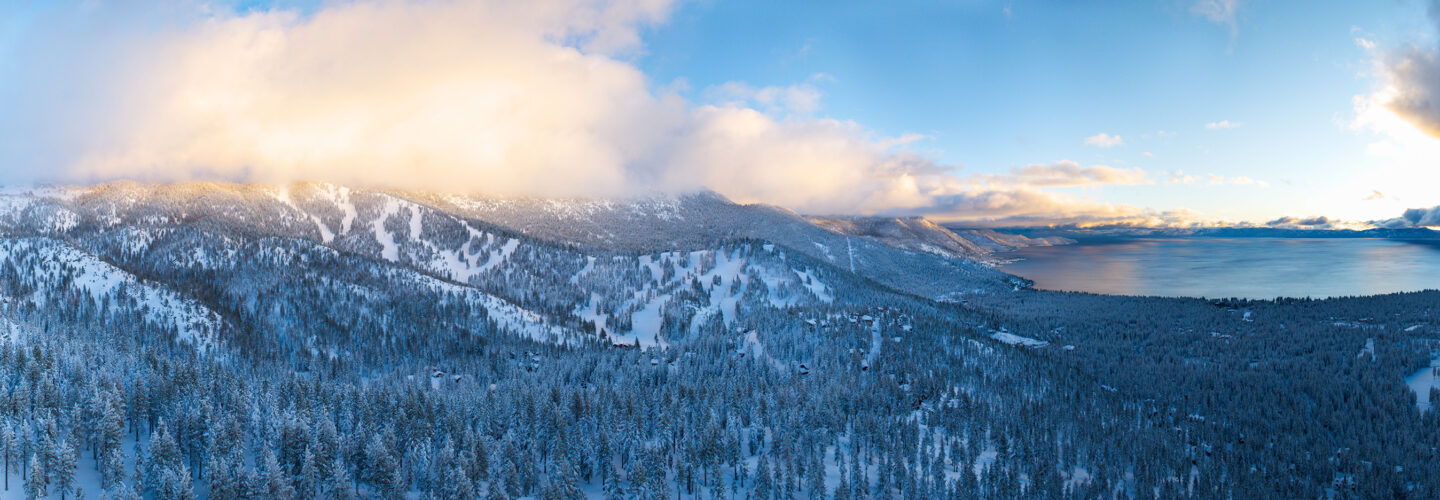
(1260, 268)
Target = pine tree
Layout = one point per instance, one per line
(382, 470)
(121, 492)
(509, 479)
(37, 485)
(842, 490)
(611, 481)
(7, 435)
(458, 485)
(341, 486)
(272, 481)
(165, 458)
(112, 468)
(564, 485)
(308, 485)
(764, 482)
(112, 427)
(174, 484)
(62, 470)
(225, 479)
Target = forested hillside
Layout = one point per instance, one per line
(315, 341)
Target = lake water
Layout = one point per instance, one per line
(1259, 268)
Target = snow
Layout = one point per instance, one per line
(503, 312)
(340, 196)
(591, 313)
(752, 343)
(773, 281)
(1013, 339)
(730, 269)
(1421, 382)
(283, 194)
(876, 342)
(1368, 349)
(192, 321)
(825, 250)
(389, 249)
(986, 459)
(654, 266)
(821, 291)
(417, 222)
(589, 266)
(645, 325)
(497, 258)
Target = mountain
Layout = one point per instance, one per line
(695, 220)
(1409, 234)
(919, 234)
(911, 233)
(231, 256)
(995, 241)
(314, 340)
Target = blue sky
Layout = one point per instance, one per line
(1163, 112)
(994, 85)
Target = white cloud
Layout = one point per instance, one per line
(1237, 181)
(1103, 140)
(800, 98)
(1221, 12)
(1401, 118)
(1181, 178)
(1222, 125)
(1067, 173)
(492, 96)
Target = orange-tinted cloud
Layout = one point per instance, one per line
(488, 96)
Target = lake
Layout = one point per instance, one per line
(1258, 268)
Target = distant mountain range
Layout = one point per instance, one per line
(922, 235)
(1216, 232)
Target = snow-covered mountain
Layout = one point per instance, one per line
(994, 241)
(911, 233)
(318, 341)
(207, 259)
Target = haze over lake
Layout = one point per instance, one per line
(1260, 268)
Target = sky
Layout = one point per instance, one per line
(1007, 112)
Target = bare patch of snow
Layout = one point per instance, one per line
(1013, 339)
(389, 249)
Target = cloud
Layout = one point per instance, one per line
(1103, 140)
(1222, 125)
(1220, 12)
(800, 98)
(1067, 173)
(1401, 117)
(1415, 217)
(488, 96)
(1289, 222)
(1219, 180)
(1180, 177)
(1375, 194)
(1411, 81)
